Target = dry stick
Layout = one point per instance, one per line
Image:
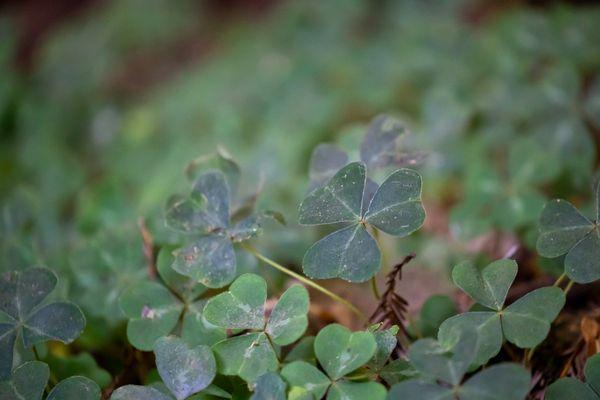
(249, 248)
(148, 248)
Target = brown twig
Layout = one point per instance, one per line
(392, 307)
(148, 248)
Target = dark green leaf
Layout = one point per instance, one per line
(417, 390)
(379, 147)
(434, 312)
(56, 321)
(288, 320)
(344, 390)
(134, 392)
(570, 388)
(27, 382)
(503, 381)
(350, 253)
(75, 388)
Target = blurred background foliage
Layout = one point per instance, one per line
(98, 126)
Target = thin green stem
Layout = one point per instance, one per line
(569, 286)
(249, 248)
(560, 279)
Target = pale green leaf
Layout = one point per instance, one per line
(288, 320)
(248, 356)
(242, 307)
(503, 381)
(325, 161)
(75, 388)
(386, 343)
(134, 392)
(345, 390)
(270, 386)
(184, 370)
(307, 376)
(197, 330)
(340, 351)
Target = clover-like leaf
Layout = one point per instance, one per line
(210, 260)
(248, 356)
(288, 320)
(572, 388)
(503, 381)
(27, 382)
(75, 388)
(448, 359)
(135, 392)
(396, 207)
(269, 386)
(307, 376)
(153, 312)
(22, 313)
(564, 230)
(242, 307)
(325, 161)
(350, 253)
(196, 330)
(434, 312)
(184, 370)
(340, 200)
(489, 286)
(526, 322)
(340, 351)
(220, 161)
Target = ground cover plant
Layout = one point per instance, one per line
(247, 224)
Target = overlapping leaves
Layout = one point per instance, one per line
(29, 380)
(572, 388)
(351, 253)
(205, 217)
(525, 322)
(254, 353)
(155, 307)
(23, 314)
(339, 352)
(442, 365)
(565, 230)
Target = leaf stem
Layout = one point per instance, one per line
(560, 279)
(252, 250)
(569, 286)
(375, 289)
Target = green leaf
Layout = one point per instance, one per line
(489, 331)
(270, 386)
(396, 207)
(503, 381)
(561, 227)
(340, 351)
(248, 356)
(27, 382)
(592, 372)
(386, 343)
(242, 307)
(379, 147)
(211, 190)
(288, 320)
(349, 253)
(344, 390)
(221, 161)
(81, 364)
(209, 260)
(197, 330)
(21, 296)
(75, 388)
(184, 370)
(56, 321)
(134, 392)
(570, 388)
(338, 201)
(434, 312)
(418, 390)
(582, 264)
(152, 311)
(181, 284)
(567, 388)
(527, 321)
(245, 229)
(304, 350)
(307, 376)
(325, 161)
(397, 370)
(446, 360)
(298, 393)
(489, 286)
